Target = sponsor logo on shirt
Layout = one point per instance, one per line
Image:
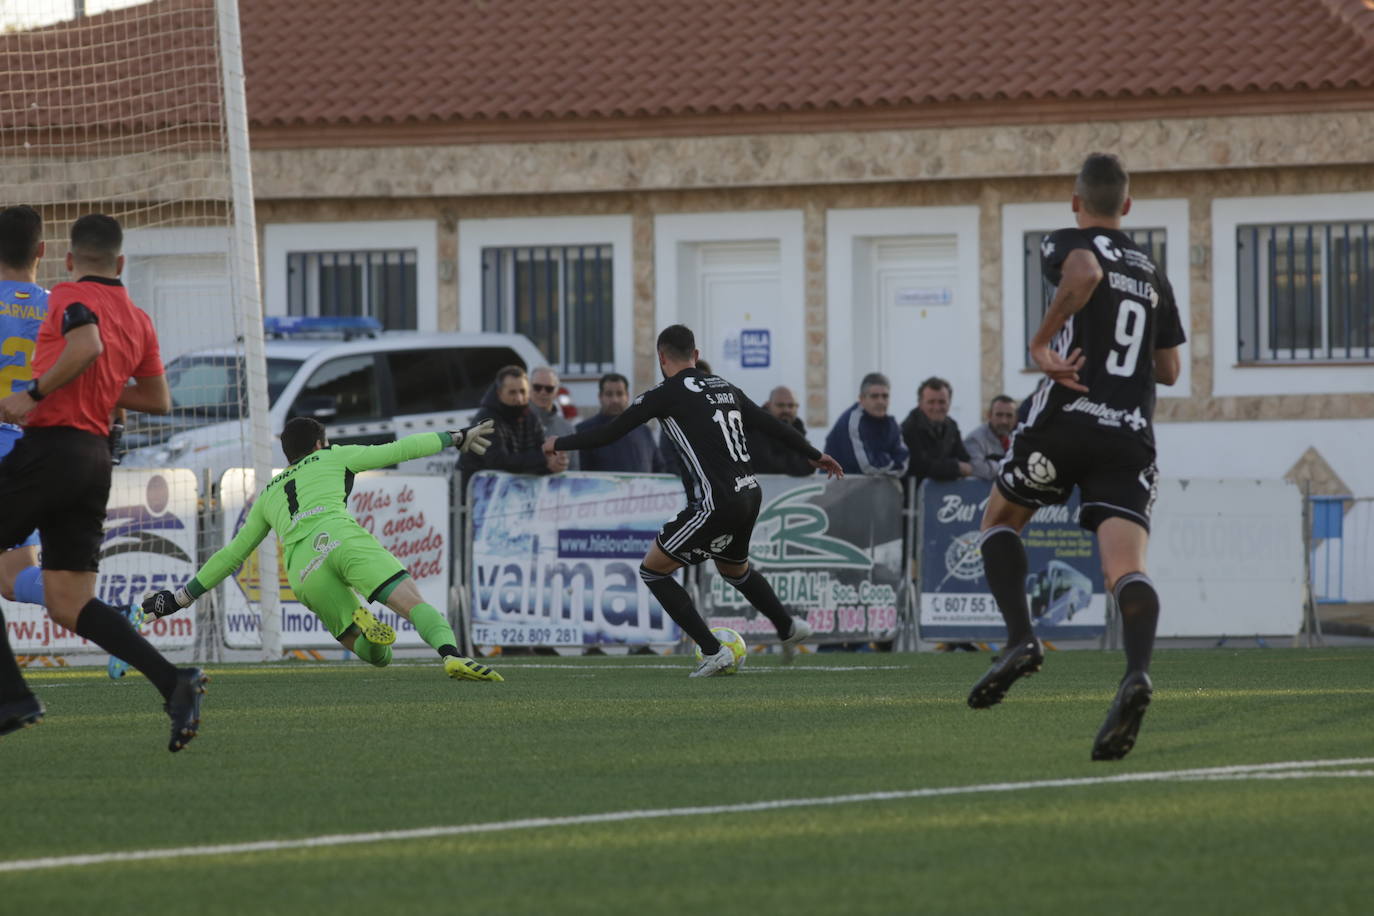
(1108, 416)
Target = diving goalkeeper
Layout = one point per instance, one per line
(328, 554)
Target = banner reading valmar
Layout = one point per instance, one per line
(832, 552)
(555, 560)
(407, 513)
(1064, 583)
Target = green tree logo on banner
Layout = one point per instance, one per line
(792, 532)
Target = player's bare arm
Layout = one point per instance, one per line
(148, 395)
(1168, 365)
(81, 348)
(1080, 276)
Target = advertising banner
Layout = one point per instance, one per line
(407, 513)
(150, 544)
(555, 560)
(833, 553)
(1064, 582)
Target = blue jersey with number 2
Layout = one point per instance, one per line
(23, 306)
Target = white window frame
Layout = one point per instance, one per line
(843, 229)
(1170, 214)
(281, 239)
(1228, 377)
(617, 231)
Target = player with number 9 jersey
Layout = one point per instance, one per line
(1129, 315)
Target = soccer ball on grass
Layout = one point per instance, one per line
(735, 642)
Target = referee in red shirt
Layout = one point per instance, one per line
(57, 478)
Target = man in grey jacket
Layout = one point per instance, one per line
(544, 405)
(988, 443)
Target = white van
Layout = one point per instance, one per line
(365, 391)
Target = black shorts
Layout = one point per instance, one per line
(57, 480)
(719, 533)
(1115, 473)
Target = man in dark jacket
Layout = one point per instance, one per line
(635, 452)
(767, 454)
(865, 439)
(932, 437)
(517, 442)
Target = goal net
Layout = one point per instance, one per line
(136, 110)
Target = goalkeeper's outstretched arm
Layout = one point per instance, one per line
(227, 559)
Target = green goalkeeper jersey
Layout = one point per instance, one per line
(309, 493)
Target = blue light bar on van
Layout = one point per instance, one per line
(342, 325)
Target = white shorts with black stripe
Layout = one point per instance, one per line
(722, 532)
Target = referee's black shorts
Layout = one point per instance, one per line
(721, 532)
(1115, 474)
(57, 480)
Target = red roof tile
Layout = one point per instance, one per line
(360, 62)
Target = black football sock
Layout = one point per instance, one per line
(678, 604)
(111, 631)
(12, 686)
(1139, 604)
(754, 587)
(1004, 562)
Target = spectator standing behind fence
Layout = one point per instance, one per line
(517, 441)
(865, 440)
(636, 451)
(544, 384)
(988, 444)
(932, 436)
(767, 454)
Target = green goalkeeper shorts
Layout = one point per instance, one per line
(340, 559)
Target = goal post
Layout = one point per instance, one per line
(136, 109)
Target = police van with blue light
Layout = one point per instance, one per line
(365, 385)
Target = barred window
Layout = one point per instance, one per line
(1305, 291)
(559, 296)
(379, 284)
(1039, 294)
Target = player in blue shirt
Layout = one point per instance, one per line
(23, 306)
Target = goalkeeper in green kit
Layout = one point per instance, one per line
(328, 554)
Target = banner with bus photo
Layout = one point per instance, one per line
(832, 552)
(1063, 584)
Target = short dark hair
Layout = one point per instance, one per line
(97, 239)
(1102, 184)
(299, 436)
(1001, 399)
(937, 383)
(678, 341)
(873, 378)
(611, 377)
(21, 232)
(506, 372)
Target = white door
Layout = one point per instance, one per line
(187, 296)
(913, 321)
(738, 298)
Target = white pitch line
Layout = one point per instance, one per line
(1298, 768)
(518, 666)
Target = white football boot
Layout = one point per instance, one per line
(712, 665)
(801, 631)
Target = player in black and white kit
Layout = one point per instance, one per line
(1112, 331)
(706, 419)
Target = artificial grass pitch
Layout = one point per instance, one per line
(304, 750)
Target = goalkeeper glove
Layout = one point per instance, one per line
(162, 603)
(475, 439)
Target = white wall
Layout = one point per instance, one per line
(1267, 449)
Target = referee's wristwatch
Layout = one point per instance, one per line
(33, 391)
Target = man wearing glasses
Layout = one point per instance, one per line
(544, 405)
(769, 456)
(865, 439)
